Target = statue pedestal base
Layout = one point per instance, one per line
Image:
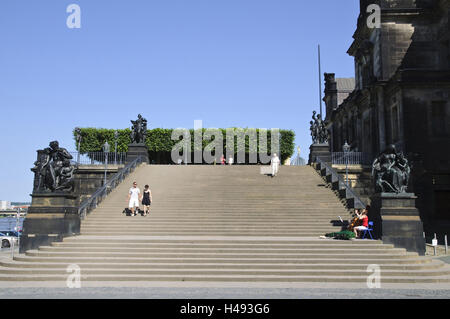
(397, 221)
(319, 150)
(50, 218)
(136, 150)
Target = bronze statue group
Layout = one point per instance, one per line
(319, 132)
(54, 169)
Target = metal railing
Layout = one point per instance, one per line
(350, 193)
(100, 194)
(98, 158)
(350, 158)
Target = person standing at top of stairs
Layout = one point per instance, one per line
(275, 163)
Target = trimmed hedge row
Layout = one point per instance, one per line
(160, 143)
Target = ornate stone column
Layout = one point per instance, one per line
(398, 221)
(393, 210)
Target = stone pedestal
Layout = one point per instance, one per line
(136, 150)
(397, 221)
(319, 150)
(50, 218)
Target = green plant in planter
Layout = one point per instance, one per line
(343, 235)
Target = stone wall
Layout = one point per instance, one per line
(90, 178)
(360, 180)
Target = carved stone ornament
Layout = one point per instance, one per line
(391, 172)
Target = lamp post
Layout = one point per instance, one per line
(78, 137)
(106, 149)
(116, 136)
(16, 229)
(346, 149)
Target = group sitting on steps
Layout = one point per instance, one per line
(357, 228)
(135, 197)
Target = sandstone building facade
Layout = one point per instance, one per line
(400, 96)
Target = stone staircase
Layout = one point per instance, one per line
(221, 224)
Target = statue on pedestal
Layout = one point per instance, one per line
(139, 130)
(54, 169)
(391, 172)
(318, 129)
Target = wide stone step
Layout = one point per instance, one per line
(178, 260)
(206, 231)
(262, 250)
(147, 220)
(209, 216)
(224, 272)
(239, 214)
(223, 209)
(213, 240)
(121, 218)
(434, 264)
(125, 245)
(200, 227)
(224, 278)
(217, 204)
(224, 255)
(207, 234)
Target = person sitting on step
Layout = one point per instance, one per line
(134, 195)
(364, 222)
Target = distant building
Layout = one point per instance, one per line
(336, 92)
(4, 205)
(297, 160)
(23, 206)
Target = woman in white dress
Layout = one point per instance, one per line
(275, 162)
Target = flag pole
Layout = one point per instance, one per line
(320, 83)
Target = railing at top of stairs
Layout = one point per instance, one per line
(100, 194)
(350, 158)
(353, 200)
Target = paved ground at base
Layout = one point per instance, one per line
(220, 293)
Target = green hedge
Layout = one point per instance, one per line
(160, 144)
(343, 235)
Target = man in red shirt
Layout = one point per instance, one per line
(364, 223)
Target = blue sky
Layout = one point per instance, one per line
(243, 63)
